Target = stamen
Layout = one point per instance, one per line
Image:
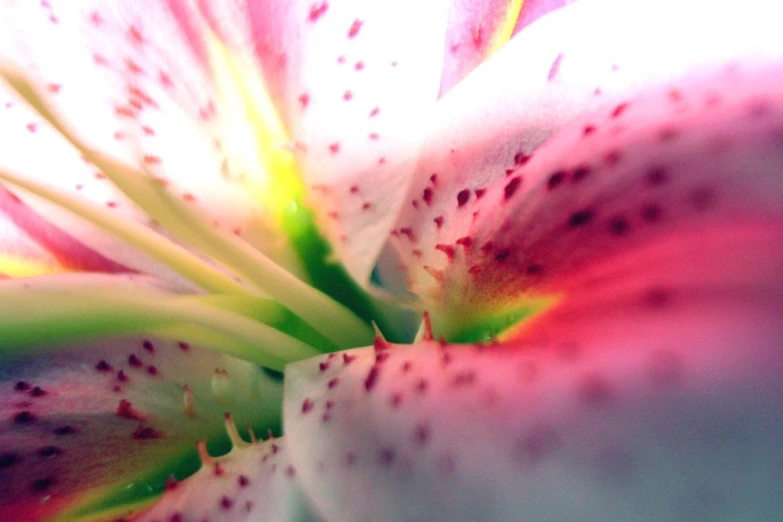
(149, 242)
(325, 314)
(190, 401)
(116, 309)
(203, 454)
(221, 386)
(236, 439)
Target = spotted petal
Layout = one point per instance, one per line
(354, 81)
(652, 392)
(102, 425)
(650, 168)
(119, 400)
(553, 72)
(136, 84)
(253, 482)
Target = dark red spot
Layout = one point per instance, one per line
(539, 443)
(348, 359)
(520, 158)
(243, 481)
(42, 484)
(619, 226)
(65, 430)
(464, 378)
(502, 255)
(421, 386)
(304, 100)
(580, 218)
(359, 66)
(651, 213)
(152, 370)
(465, 241)
(701, 199)
(438, 221)
(8, 459)
(146, 433)
(386, 456)
(594, 390)
(148, 346)
(588, 130)
(555, 179)
(580, 173)
(24, 417)
(619, 110)
(657, 176)
(534, 270)
(37, 392)
(372, 377)
(333, 383)
(317, 11)
(446, 249)
(668, 134)
(21, 386)
(183, 346)
(421, 434)
(347, 95)
(126, 410)
(427, 196)
(656, 297)
(121, 376)
(463, 197)
(334, 148)
(612, 158)
(512, 186)
(134, 361)
(480, 193)
(307, 406)
(226, 503)
(103, 366)
(355, 27)
(408, 232)
(49, 451)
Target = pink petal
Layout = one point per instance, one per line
(133, 82)
(254, 482)
(698, 155)
(653, 393)
(37, 244)
(355, 82)
(551, 74)
(82, 424)
(476, 31)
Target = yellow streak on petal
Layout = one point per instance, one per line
(14, 266)
(506, 28)
(258, 144)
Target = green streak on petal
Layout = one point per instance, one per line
(464, 328)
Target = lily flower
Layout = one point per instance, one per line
(218, 218)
